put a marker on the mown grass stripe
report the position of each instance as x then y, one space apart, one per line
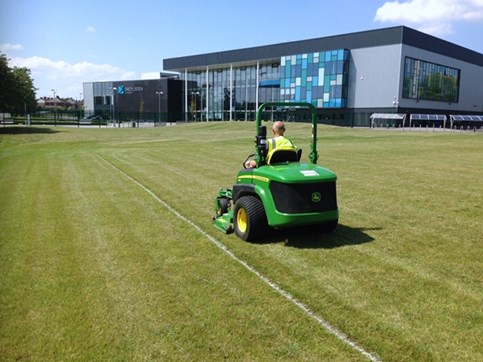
326 325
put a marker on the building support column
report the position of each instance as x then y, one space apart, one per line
256 86
186 109
207 92
231 92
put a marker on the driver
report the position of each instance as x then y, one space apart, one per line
279 140
276 142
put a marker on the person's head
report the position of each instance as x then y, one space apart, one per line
278 128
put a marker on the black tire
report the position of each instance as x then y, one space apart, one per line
329 227
222 205
249 219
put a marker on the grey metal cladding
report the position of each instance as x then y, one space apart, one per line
432 44
364 39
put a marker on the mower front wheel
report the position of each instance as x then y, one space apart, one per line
222 205
249 219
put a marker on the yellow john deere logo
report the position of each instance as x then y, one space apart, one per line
316 197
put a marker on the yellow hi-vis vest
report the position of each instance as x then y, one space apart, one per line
280 142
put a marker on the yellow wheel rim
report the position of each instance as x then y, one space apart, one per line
241 220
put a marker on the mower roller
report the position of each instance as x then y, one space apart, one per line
280 191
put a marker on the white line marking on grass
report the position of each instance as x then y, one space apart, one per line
330 328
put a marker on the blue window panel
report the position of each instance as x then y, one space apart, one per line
297 94
309 96
340 67
327 56
310 58
340 54
318 92
299 56
310 69
337 89
327 83
315 80
338 102
314 69
304 63
269 83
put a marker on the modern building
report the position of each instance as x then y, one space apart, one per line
144 100
347 77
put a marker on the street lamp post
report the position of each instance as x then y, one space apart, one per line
114 109
55 106
79 108
159 93
395 104
196 103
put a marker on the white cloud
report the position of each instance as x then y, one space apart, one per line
67 77
7 47
91 29
431 16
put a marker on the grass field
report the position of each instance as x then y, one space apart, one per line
94 267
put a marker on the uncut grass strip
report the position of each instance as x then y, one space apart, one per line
299 304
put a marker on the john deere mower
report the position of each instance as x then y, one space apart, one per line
279 191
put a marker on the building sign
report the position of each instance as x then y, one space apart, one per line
128 90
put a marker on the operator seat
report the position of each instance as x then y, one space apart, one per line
280 155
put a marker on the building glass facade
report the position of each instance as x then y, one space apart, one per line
429 81
320 78
103 95
214 93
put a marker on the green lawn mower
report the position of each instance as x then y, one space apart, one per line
280 191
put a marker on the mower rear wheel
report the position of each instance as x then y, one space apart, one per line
249 219
329 227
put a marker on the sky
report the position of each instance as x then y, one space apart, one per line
66 43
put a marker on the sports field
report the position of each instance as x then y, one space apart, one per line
108 252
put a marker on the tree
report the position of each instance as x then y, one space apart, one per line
6 84
17 91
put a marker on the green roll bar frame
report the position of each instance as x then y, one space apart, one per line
260 155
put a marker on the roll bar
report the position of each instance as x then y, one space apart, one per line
262 131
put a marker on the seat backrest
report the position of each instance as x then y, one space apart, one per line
279 155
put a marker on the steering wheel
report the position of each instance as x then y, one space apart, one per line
246 159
